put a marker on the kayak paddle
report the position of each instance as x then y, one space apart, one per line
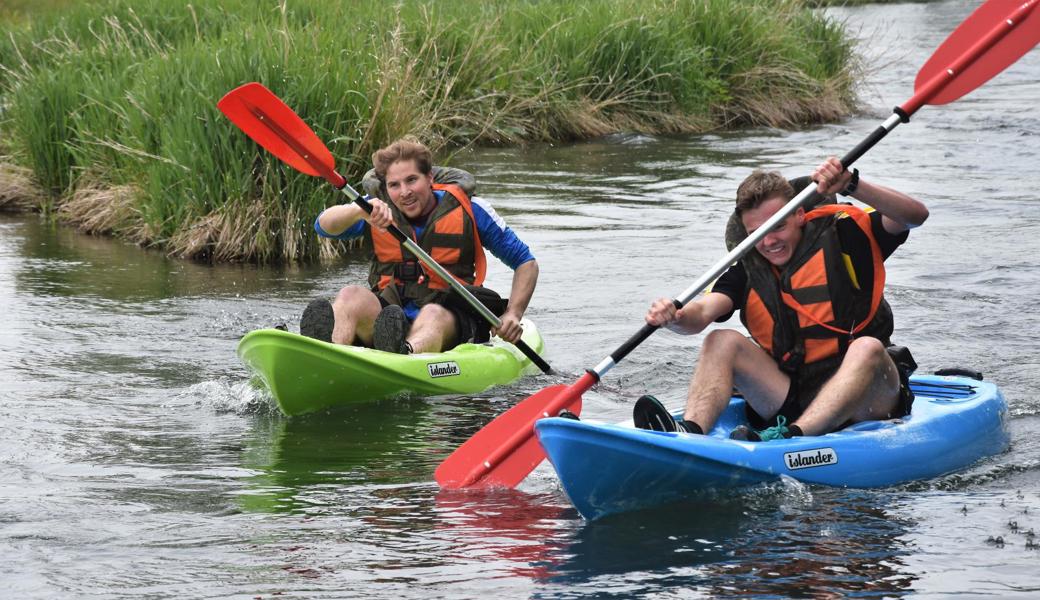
997 34
272 124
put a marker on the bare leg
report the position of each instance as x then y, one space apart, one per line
356 308
728 356
865 387
434 329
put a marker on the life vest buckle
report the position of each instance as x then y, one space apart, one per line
409 271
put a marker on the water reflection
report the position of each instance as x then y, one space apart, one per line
307 462
839 546
370 446
521 534
781 540
775 541
59 261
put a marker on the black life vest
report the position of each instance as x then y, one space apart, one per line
806 314
450 238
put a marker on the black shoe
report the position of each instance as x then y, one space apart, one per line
390 329
566 414
318 320
780 431
744 434
649 413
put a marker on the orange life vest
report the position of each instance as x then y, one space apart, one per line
806 314
450 238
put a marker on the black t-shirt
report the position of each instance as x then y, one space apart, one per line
733 282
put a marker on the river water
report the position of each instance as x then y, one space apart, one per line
136 461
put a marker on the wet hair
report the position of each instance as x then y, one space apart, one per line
761 186
402 149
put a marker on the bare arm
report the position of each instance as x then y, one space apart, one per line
899 212
337 219
692 318
525 277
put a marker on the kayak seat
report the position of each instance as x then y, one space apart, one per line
960 372
873 425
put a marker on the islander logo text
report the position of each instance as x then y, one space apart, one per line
819 457
443 369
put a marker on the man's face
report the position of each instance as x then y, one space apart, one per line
778 245
410 190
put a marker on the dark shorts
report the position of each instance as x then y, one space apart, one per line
801 394
469 326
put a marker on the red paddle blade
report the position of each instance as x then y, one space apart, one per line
273 125
506 449
997 34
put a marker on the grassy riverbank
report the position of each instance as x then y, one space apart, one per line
109 107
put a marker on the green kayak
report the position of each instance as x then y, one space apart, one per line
307 375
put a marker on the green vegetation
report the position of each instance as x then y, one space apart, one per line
822 3
110 107
15 11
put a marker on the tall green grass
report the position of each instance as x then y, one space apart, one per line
121 95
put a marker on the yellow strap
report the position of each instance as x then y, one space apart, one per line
852 271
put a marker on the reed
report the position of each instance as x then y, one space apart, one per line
18 192
122 95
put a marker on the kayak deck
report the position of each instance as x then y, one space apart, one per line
307 375
607 468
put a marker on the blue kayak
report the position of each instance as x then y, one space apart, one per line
607 468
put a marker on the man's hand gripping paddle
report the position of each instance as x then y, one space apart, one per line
273 125
997 34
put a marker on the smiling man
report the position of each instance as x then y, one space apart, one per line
810 294
406 309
